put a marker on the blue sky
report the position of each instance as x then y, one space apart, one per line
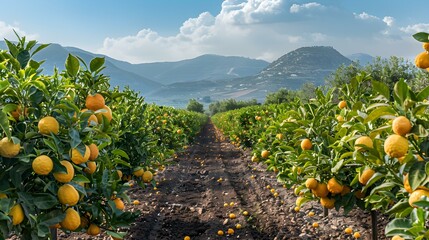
169 30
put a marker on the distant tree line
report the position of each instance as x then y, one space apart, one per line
229 104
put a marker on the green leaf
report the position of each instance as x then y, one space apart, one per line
33 64
422 203
120 152
12 48
75 138
381 88
23 58
81 178
72 65
399 207
30 45
398 226
423 94
380 112
44 200
421 37
96 64
417 175
4 124
39 48
401 91
51 144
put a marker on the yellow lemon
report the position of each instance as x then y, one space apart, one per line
8 149
42 165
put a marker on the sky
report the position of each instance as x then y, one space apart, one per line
141 31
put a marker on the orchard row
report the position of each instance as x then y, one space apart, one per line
71 146
363 145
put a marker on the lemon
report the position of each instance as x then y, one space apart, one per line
306 144
77 157
48 125
8 149
93 230
342 104
17 214
65 177
401 125
328 203
147 176
119 203
422 60
42 165
334 187
71 221
94 102
311 183
68 195
416 195
366 175
396 146
364 140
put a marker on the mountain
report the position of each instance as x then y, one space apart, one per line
362 58
204 67
55 55
303 65
148 77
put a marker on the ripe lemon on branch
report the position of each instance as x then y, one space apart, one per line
68 195
306 144
396 146
42 165
71 221
401 125
77 157
48 125
17 214
311 183
8 149
65 177
334 187
416 195
94 102
366 175
364 140
422 60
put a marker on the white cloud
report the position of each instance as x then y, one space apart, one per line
6 31
295 8
389 21
420 27
266 29
365 16
251 11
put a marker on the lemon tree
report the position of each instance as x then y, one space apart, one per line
67 142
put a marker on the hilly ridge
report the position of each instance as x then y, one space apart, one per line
291 71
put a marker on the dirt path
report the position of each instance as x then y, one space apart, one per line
190 198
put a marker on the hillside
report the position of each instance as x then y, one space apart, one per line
205 67
55 56
362 58
306 64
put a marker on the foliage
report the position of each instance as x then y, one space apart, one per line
195 106
281 96
229 104
373 98
136 137
388 71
